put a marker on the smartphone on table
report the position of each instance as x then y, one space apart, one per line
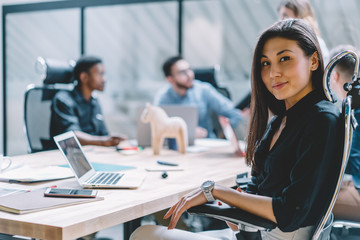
64 192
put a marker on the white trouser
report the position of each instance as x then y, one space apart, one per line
157 232
277 234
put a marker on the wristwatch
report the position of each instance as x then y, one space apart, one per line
207 187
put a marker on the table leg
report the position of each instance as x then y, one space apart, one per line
4 236
129 227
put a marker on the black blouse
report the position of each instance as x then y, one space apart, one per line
300 171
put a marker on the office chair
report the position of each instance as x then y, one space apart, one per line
209 75
246 220
342 226
57 75
244 102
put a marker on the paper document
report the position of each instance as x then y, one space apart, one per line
197 149
8 191
34 201
212 142
30 174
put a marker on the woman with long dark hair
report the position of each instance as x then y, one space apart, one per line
293 142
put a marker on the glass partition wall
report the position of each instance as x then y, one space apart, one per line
219 33
52 34
135 37
133 40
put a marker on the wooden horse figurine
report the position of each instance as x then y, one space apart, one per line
163 126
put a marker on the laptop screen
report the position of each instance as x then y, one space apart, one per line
75 156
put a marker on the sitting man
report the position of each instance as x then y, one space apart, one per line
347 205
183 89
78 110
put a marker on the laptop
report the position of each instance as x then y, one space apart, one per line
188 113
229 133
85 173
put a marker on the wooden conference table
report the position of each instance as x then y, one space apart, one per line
120 205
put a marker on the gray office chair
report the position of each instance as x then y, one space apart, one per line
247 220
57 75
341 226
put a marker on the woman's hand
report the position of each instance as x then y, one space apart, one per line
233 226
194 198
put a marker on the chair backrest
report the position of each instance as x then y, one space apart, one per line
322 230
37 103
54 71
207 75
244 102
37 114
347 107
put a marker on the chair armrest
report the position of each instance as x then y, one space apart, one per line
243 182
234 215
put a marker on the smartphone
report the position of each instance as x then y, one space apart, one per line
63 192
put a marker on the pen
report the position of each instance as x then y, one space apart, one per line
167 163
43 188
128 148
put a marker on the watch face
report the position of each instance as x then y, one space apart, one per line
207 184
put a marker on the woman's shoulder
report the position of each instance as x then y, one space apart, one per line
325 110
325 106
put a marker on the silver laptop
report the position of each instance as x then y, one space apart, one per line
188 113
84 172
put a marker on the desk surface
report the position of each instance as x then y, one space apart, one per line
120 205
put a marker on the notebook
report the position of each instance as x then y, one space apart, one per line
188 113
85 173
231 136
29 174
34 201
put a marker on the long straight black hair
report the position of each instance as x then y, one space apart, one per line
261 99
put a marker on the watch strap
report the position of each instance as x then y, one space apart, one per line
207 192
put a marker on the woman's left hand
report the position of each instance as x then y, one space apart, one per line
191 199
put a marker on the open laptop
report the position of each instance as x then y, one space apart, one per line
229 133
188 113
85 173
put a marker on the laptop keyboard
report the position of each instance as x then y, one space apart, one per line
106 178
